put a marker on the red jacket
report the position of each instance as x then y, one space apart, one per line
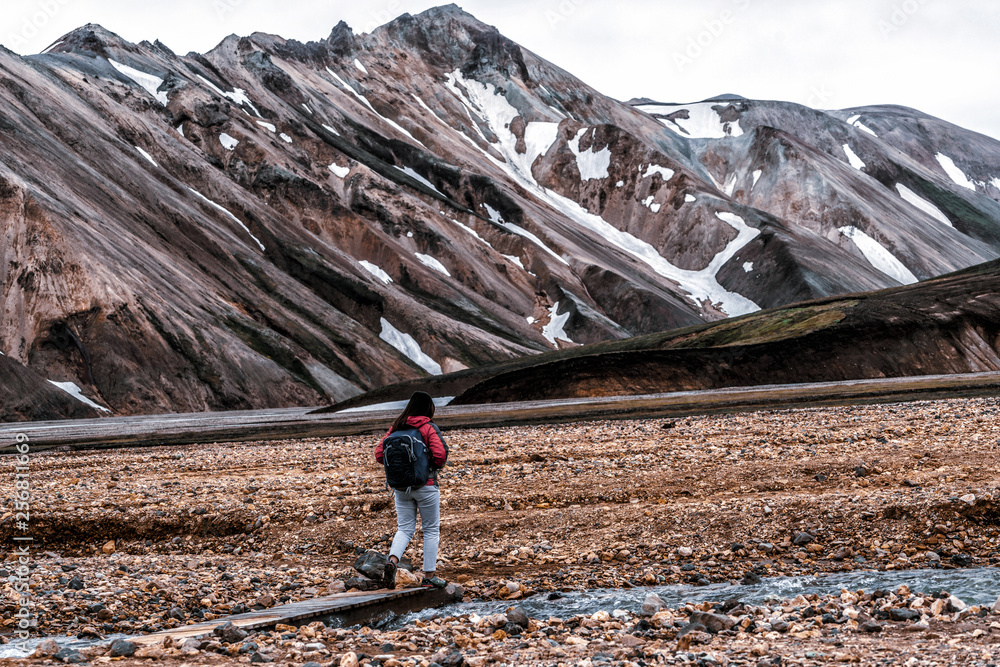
432 438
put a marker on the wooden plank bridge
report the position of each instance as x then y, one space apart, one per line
344 608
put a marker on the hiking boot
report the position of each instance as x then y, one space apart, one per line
389 575
436 582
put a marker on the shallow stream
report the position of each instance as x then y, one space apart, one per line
979 586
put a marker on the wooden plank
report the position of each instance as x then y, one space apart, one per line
346 605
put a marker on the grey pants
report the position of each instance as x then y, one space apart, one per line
426 500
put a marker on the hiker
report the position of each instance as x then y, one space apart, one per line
406 475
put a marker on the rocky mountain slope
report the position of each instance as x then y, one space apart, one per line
275 223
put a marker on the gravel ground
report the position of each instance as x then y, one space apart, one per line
137 540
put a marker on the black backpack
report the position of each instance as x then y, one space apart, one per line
406 459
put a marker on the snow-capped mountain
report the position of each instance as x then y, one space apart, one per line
276 223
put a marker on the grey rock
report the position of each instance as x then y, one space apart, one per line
688 628
371 564
518 616
904 614
652 604
229 633
122 648
714 623
261 657
961 560
803 539
70 656
46 648
870 627
451 659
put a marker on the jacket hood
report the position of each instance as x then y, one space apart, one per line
417 422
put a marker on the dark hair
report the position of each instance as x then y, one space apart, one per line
421 405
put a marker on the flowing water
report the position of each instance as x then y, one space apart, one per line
979 586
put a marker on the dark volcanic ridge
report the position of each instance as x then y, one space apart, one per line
275 223
942 326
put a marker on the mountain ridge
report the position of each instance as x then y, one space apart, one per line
275 223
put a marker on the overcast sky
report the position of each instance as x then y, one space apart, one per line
939 56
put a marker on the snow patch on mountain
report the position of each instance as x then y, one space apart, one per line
228 142
267 126
521 231
284 137
756 177
238 95
376 271
703 121
433 263
229 213
878 256
357 63
747 267
730 187
665 172
147 156
73 390
149 82
494 110
555 329
592 164
338 171
853 158
648 203
921 203
954 173
413 174
701 285
368 104
689 199
406 344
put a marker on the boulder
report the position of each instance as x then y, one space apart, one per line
229 633
904 614
122 648
371 564
49 647
406 579
714 623
652 604
518 616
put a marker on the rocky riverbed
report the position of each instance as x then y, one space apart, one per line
138 540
